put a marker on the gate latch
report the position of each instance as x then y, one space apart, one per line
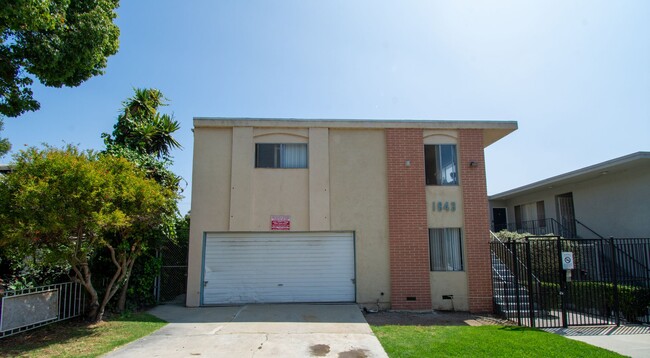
205 283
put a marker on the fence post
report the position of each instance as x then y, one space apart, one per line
529 266
565 320
617 316
516 273
157 280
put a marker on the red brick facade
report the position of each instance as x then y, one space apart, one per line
408 228
477 226
407 220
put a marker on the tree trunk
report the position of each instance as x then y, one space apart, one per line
93 308
122 272
83 276
121 303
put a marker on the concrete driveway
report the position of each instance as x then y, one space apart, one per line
283 330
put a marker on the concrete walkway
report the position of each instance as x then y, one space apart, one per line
629 340
286 330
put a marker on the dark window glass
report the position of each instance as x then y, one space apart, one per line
266 155
440 164
273 155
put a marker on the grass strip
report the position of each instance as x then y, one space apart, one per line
76 338
482 341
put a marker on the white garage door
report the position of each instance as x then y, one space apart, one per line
278 267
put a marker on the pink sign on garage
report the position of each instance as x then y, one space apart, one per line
280 222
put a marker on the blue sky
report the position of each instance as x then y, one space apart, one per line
574 74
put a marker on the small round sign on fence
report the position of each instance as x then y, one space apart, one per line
567 260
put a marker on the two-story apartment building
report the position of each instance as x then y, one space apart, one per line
388 213
605 199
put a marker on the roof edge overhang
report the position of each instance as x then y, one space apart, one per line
492 130
573 176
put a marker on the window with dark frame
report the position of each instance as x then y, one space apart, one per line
530 216
281 155
440 164
445 249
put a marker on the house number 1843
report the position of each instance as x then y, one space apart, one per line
444 206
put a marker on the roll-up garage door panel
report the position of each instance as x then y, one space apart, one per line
244 268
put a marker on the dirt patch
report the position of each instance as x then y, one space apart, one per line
433 318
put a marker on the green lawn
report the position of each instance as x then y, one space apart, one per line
482 341
79 339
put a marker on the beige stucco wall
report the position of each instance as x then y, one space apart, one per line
280 192
614 204
210 198
444 195
277 191
359 202
337 192
449 283
319 179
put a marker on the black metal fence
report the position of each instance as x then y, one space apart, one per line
610 281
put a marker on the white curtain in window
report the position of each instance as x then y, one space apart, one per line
437 243
294 156
529 212
453 248
446 250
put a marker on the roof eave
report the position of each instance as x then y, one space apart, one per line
492 130
576 174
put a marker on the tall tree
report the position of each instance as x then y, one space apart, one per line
59 42
70 204
145 137
140 127
5 146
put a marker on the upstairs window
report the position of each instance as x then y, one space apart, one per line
293 155
440 164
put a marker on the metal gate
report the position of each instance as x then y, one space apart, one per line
609 282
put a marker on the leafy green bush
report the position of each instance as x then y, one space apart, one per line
633 301
549 295
19 270
145 271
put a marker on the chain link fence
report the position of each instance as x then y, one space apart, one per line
171 284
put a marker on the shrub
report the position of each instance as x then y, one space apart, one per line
633 301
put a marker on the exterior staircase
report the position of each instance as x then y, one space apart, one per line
510 297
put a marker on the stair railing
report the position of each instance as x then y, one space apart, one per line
522 274
588 228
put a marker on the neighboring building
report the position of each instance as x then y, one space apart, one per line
381 213
4 168
607 199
